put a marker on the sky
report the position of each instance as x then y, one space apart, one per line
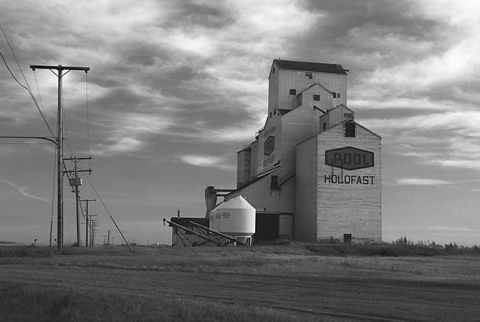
176 88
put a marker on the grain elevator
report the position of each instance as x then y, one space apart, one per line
312 173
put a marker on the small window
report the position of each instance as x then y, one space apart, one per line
336 95
274 182
350 130
270 114
293 92
316 97
324 126
273 72
309 75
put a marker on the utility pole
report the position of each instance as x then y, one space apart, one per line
86 219
93 225
61 71
76 182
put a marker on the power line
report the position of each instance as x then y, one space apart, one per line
15 57
111 217
26 82
86 103
29 92
62 71
38 90
11 73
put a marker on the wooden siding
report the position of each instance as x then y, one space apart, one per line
260 195
297 126
254 160
326 99
349 208
306 199
243 166
291 79
273 90
286 225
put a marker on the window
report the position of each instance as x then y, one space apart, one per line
350 130
273 72
270 114
293 92
309 75
316 97
324 126
274 182
336 95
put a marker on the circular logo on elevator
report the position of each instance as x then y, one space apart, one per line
349 158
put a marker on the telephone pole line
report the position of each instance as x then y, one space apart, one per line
93 225
76 182
86 219
61 71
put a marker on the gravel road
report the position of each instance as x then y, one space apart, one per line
342 298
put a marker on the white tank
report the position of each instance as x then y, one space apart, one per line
237 217
211 223
215 216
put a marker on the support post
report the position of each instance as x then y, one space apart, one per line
76 182
60 69
86 219
76 202
60 165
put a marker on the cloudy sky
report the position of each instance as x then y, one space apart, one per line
176 88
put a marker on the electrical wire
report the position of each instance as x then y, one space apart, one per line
65 127
111 217
38 90
86 103
11 73
42 113
28 90
15 57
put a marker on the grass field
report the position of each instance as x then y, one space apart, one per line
22 301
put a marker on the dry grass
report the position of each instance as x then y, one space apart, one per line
62 305
304 261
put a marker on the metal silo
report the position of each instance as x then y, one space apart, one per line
237 218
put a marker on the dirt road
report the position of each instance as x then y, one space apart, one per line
343 298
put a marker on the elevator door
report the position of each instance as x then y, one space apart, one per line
267 226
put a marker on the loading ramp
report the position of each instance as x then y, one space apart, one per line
204 233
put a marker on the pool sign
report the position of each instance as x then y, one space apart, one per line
269 145
349 158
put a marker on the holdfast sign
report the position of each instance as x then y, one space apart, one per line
269 145
349 158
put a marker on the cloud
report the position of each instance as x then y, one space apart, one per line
200 69
421 182
24 191
453 229
129 132
206 161
446 138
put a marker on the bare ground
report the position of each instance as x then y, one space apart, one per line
363 297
